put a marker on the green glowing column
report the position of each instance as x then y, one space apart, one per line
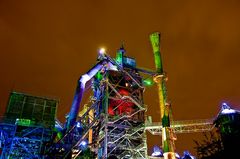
155 41
167 134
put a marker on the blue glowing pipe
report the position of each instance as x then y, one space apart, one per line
80 90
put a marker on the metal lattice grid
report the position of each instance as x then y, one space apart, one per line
27 126
122 133
185 126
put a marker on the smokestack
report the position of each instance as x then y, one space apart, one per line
155 41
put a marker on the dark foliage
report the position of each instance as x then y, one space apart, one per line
210 147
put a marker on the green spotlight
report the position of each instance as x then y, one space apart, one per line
148 82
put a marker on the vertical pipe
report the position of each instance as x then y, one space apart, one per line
79 92
155 41
90 134
160 97
75 105
106 121
167 142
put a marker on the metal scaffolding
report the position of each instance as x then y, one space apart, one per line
185 126
122 131
27 127
112 123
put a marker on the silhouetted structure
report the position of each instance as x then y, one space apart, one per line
224 143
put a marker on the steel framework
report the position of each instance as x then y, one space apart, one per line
185 126
122 130
112 123
113 120
27 127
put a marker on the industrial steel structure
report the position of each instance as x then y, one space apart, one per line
112 124
27 126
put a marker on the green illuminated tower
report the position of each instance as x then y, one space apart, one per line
160 79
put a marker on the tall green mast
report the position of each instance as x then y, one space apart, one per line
167 133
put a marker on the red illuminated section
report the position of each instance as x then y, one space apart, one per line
120 106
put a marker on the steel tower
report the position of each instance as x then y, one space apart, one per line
122 132
168 136
111 124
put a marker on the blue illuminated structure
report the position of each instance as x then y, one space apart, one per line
177 156
80 90
227 110
111 124
157 152
83 145
187 155
27 127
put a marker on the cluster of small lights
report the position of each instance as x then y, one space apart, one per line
157 152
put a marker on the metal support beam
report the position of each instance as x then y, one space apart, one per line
185 126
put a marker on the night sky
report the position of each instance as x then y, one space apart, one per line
46 46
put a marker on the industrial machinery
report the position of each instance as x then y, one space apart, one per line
112 124
27 126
